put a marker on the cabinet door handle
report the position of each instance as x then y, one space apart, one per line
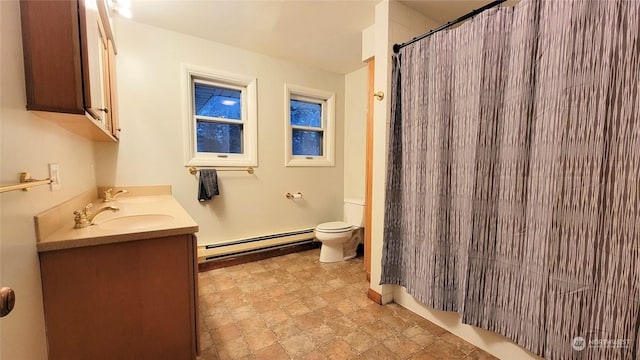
106 110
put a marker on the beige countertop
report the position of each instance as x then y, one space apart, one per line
139 218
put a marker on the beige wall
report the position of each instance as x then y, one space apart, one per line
355 128
29 143
396 23
151 146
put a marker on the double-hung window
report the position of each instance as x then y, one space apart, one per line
222 119
310 117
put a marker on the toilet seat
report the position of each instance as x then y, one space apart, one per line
334 227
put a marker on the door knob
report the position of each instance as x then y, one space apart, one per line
7 300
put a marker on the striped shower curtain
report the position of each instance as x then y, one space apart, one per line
513 184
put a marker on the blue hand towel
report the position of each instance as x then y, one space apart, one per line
208 187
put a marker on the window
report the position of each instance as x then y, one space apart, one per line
309 127
221 123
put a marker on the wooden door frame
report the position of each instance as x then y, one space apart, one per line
369 168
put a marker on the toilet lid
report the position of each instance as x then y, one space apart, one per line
334 226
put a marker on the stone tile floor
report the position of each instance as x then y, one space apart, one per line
294 307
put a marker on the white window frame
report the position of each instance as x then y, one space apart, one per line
247 87
327 101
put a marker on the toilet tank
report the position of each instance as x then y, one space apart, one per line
354 212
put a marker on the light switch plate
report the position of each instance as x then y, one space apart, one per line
54 175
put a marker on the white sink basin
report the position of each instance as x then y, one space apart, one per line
135 222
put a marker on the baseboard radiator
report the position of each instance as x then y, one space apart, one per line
219 251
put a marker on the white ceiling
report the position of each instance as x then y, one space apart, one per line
321 33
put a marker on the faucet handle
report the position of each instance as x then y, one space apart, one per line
108 196
81 217
86 211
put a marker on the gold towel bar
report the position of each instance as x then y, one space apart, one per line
26 182
193 170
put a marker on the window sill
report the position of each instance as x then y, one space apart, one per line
315 162
222 162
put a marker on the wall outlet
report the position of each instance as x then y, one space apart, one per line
54 175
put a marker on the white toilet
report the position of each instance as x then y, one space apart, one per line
340 239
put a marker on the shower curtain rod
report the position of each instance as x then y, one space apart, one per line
397 47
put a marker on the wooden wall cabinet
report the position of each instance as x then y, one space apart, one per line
130 300
69 61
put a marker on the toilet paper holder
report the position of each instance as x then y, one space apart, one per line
291 196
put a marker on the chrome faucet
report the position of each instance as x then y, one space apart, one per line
109 196
84 218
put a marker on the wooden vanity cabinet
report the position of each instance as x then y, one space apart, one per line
69 61
127 300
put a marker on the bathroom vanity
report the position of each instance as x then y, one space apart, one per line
123 288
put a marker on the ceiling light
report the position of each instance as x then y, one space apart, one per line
91 4
123 7
125 12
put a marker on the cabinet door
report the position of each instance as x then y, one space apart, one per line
130 300
66 62
96 62
53 69
113 104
